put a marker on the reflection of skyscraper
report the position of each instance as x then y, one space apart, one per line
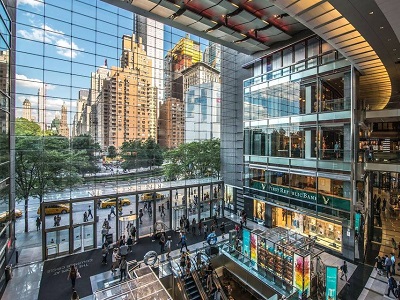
27 110
152 34
212 55
64 130
42 107
171 123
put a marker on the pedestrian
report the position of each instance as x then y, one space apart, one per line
194 226
112 212
140 216
183 242
129 243
188 266
90 212
55 220
123 250
85 218
162 242
384 205
392 285
104 253
145 206
168 244
378 266
388 265
133 233
39 222
216 219
74 296
73 274
222 227
182 262
393 259
122 268
115 260
205 230
162 210
343 268
217 294
200 226
104 233
176 194
150 211
58 220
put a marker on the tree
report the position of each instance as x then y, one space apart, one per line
193 159
138 154
112 152
86 143
42 163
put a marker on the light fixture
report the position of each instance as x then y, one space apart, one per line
394 49
241 40
178 13
381 27
213 28
371 12
234 4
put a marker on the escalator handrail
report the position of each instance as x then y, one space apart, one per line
200 287
218 284
182 288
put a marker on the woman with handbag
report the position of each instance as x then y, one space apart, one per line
73 274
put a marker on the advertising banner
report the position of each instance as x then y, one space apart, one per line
307 275
298 272
357 222
246 243
253 250
259 211
331 283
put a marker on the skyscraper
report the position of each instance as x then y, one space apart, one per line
27 110
42 107
171 123
152 34
64 130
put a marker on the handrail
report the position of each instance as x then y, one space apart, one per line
200 287
217 283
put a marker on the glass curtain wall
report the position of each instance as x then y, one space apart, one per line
110 103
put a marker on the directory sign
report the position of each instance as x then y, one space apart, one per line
331 283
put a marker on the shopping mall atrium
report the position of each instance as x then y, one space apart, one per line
200 149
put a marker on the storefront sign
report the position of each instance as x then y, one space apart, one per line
324 199
246 243
253 250
331 283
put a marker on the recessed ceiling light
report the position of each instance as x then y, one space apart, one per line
389 40
381 27
394 49
371 12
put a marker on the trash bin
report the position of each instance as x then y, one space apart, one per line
8 272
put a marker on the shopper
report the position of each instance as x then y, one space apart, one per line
123 250
162 242
90 212
343 268
194 226
392 285
378 266
74 296
122 268
388 265
168 244
104 253
393 259
112 212
133 233
200 226
104 233
73 274
217 294
222 227
129 243
115 260
183 242
188 266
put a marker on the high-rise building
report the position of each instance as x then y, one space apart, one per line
42 107
81 122
64 129
129 99
96 83
27 110
198 74
171 123
212 55
202 112
184 54
152 34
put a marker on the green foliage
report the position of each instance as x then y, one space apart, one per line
86 146
195 159
43 163
137 154
112 152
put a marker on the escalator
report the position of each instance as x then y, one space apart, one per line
191 288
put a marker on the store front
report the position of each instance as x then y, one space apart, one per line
327 234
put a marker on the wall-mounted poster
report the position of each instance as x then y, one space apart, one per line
331 283
246 243
253 250
259 210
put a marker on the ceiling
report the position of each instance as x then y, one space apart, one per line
360 29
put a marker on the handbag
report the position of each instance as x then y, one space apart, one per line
78 275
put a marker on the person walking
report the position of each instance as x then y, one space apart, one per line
133 233
392 286
393 259
90 212
205 230
217 294
104 233
129 243
188 266
344 270
73 274
85 217
140 216
162 210
183 242
39 222
114 259
168 244
112 212
388 265
162 242
222 227
194 226
74 296
200 226
104 253
122 268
